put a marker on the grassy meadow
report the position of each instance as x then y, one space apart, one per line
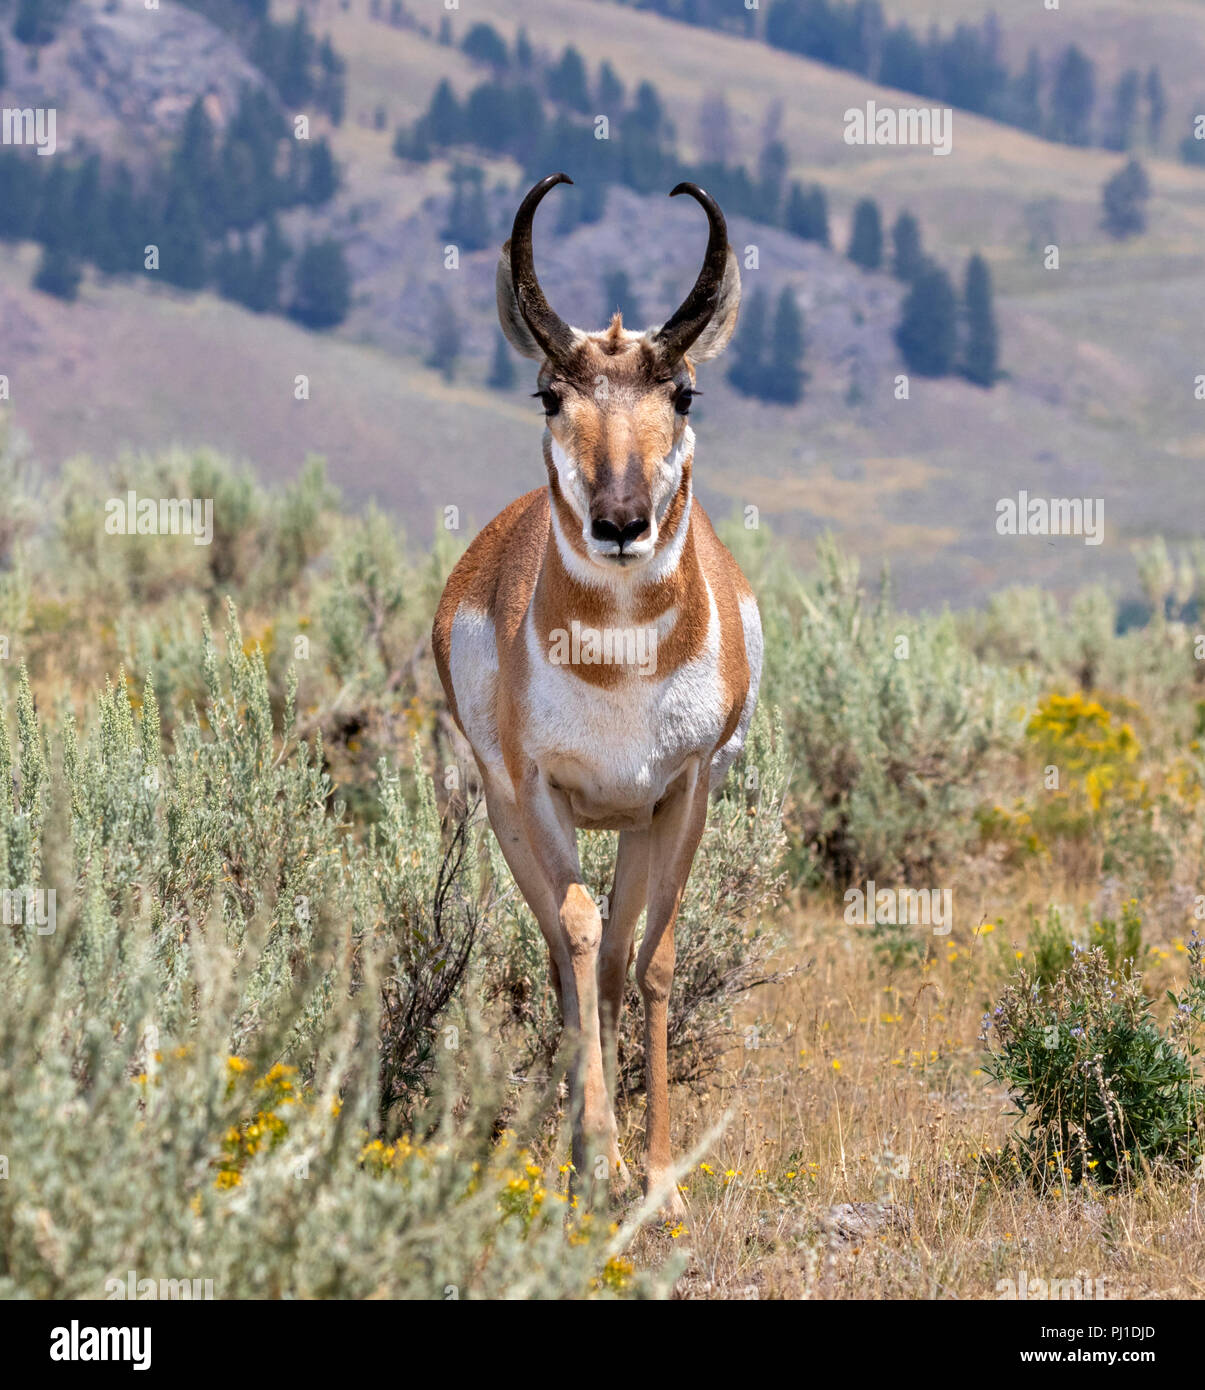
286 988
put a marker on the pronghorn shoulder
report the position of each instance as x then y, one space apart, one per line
495 577
735 605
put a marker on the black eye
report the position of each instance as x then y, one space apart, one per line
549 400
684 398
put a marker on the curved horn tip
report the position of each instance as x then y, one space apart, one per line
686 187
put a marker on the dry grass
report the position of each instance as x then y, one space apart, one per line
850 1164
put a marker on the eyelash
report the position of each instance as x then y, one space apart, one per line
549 401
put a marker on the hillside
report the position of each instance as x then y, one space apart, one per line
1098 400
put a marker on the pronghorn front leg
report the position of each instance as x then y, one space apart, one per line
676 831
629 894
573 937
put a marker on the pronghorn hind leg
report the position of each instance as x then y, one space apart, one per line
629 892
677 828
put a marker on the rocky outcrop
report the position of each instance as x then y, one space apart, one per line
121 77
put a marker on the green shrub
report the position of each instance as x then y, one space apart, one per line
1053 947
1101 1089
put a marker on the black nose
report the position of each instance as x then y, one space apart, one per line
603 529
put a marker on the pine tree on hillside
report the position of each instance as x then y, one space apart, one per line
772 166
322 176
1156 99
981 355
715 129
445 338
819 215
1073 98
1025 102
58 273
502 375
322 286
797 215
1124 200
784 377
927 333
468 224
484 44
234 272
52 225
37 20
908 259
866 240
748 369
183 258
118 249
444 121
611 92
274 254
566 82
1123 121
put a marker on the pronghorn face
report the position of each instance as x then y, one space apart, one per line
617 442
616 402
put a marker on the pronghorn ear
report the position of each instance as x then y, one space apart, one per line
714 338
514 326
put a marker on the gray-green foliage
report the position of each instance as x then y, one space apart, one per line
891 722
210 905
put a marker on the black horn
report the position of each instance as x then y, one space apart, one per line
551 332
678 332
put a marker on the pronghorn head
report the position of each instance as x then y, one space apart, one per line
618 446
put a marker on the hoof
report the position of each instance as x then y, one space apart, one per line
672 1209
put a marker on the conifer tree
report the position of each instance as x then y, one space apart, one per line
927 333
1156 99
322 288
747 371
866 240
784 377
1073 98
502 375
981 354
58 273
1124 200
908 258
445 338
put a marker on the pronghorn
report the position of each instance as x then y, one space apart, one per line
591 733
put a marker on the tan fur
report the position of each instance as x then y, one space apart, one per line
617 425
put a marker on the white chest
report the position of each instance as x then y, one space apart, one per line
616 748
